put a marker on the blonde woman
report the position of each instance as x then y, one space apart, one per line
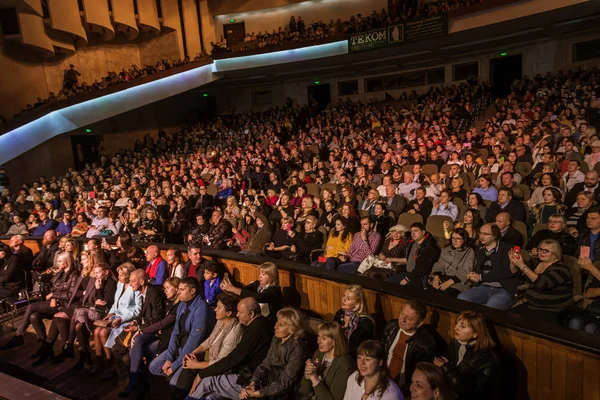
326 374
285 358
353 318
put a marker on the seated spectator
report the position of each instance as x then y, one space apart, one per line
358 326
45 224
64 285
18 227
389 259
371 376
81 226
348 212
220 231
151 228
506 203
457 260
493 282
338 243
198 231
32 222
471 223
303 243
546 181
329 215
408 186
100 223
260 235
444 206
381 220
118 256
486 190
407 343
430 383
326 374
12 278
216 380
157 268
573 176
265 290
508 233
590 184
175 263
284 209
421 254
127 306
476 202
549 288
212 282
394 202
471 363
369 202
457 190
556 231
44 260
540 213
364 243
151 338
576 216
587 318
281 240
193 323
96 301
420 204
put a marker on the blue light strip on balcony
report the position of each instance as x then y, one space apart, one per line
282 57
32 134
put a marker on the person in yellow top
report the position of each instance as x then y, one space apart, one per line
338 243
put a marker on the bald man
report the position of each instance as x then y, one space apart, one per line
221 378
157 268
508 234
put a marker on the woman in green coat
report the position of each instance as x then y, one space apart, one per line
326 374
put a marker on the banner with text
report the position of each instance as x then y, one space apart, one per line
399 33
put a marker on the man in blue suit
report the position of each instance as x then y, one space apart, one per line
193 324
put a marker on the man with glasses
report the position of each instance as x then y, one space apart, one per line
493 281
204 202
555 231
99 223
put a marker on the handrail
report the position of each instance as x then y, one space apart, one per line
537 328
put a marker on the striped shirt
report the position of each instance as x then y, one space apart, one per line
552 290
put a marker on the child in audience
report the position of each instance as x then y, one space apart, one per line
212 283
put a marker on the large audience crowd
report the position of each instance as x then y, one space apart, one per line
505 216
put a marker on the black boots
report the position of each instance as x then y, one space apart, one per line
110 372
67 352
15 341
134 379
98 366
45 353
84 358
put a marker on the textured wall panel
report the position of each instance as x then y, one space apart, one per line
192 30
35 6
208 25
124 14
95 13
171 20
64 17
148 14
33 33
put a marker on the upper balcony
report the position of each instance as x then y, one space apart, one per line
491 25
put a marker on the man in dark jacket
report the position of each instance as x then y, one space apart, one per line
12 277
407 342
217 236
589 238
506 203
497 283
227 376
508 234
24 257
589 184
421 254
45 258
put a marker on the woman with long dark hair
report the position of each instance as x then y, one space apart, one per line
338 243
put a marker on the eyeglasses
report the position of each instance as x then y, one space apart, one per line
543 251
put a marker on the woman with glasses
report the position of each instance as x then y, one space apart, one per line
549 285
151 227
457 260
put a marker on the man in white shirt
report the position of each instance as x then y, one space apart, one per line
99 223
573 175
408 186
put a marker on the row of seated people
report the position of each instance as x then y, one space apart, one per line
241 343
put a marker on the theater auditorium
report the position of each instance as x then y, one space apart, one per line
300 199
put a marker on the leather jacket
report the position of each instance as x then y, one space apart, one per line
477 376
420 347
64 284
